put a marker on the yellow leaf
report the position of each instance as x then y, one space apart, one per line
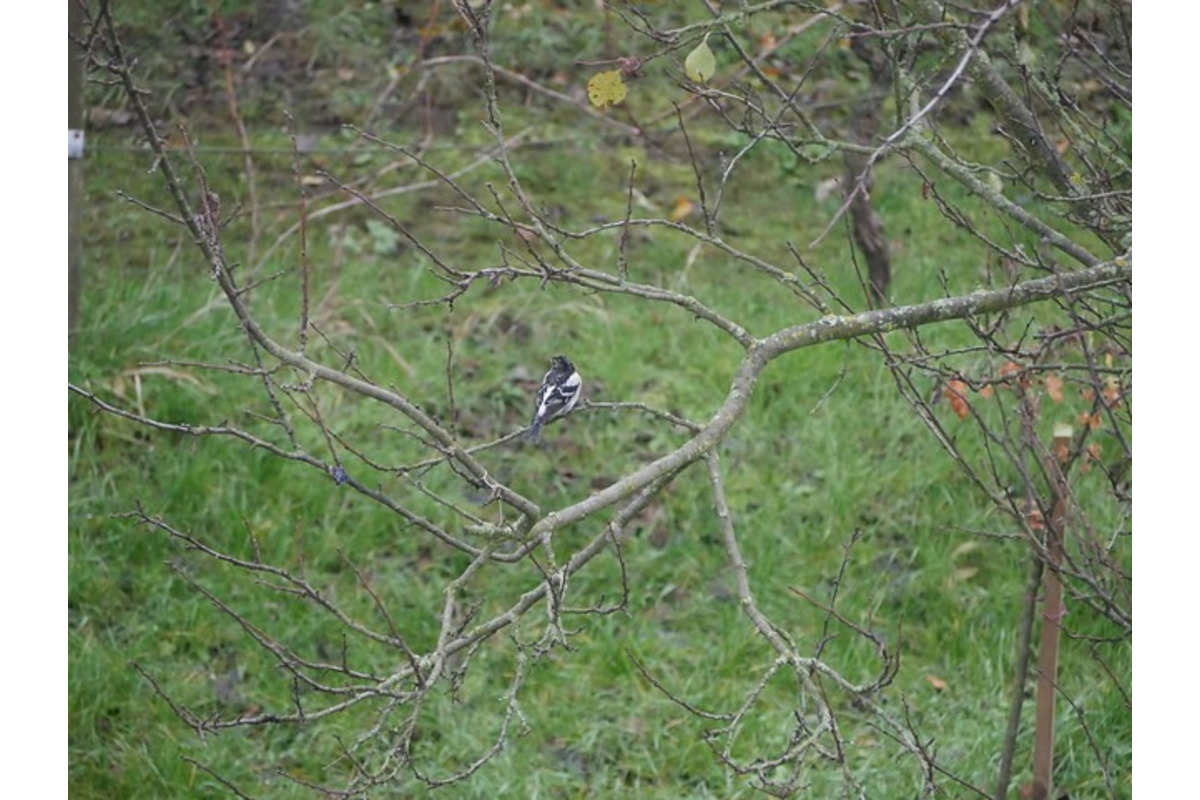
700 65
606 88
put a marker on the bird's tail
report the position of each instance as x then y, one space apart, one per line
534 434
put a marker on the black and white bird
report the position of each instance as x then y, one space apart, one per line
557 396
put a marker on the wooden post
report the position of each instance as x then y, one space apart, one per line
1052 614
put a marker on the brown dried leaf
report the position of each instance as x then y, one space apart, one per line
956 396
1054 387
682 208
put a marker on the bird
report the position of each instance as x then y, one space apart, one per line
558 394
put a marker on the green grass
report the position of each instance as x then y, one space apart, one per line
800 482
828 451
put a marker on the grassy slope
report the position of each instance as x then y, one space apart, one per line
803 474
